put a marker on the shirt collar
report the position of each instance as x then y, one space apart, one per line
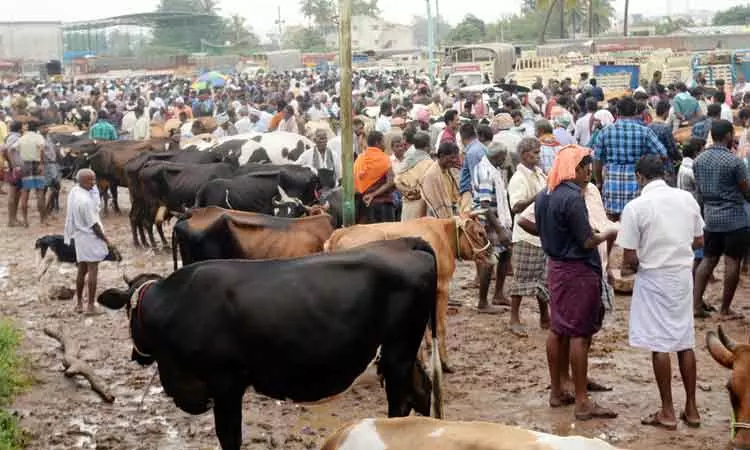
718 147
656 184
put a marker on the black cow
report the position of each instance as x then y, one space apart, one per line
142 213
53 246
301 329
279 190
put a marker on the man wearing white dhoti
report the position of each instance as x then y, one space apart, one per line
658 232
83 226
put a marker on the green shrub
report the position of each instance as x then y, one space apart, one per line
13 379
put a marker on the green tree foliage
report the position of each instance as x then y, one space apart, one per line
306 39
365 8
185 35
419 25
736 15
239 33
471 30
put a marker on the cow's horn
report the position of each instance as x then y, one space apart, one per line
284 196
727 341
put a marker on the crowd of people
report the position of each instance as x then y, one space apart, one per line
558 174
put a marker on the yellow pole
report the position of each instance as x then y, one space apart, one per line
347 131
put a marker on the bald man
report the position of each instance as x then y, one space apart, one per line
84 227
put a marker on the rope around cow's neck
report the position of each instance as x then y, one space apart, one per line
136 300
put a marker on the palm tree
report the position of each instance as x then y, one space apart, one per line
237 27
550 6
209 6
599 16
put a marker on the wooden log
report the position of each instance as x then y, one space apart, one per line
74 366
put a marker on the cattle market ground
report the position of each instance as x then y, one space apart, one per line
499 378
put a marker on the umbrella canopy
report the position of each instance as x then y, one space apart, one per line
214 79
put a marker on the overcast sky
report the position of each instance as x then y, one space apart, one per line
261 14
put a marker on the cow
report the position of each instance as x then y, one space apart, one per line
735 357
281 190
170 186
300 329
141 218
451 239
218 233
52 247
421 433
279 147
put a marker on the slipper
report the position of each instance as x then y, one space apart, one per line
566 399
593 386
597 412
655 421
688 422
79 310
519 331
488 310
94 312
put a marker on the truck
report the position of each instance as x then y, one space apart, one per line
283 60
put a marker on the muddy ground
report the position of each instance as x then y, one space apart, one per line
499 378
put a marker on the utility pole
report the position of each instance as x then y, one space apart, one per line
280 24
430 45
347 130
437 24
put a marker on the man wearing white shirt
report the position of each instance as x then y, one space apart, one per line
322 157
726 111
317 111
585 124
244 124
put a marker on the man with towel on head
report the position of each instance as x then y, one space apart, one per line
83 225
574 277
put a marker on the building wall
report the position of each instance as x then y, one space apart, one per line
31 41
373 33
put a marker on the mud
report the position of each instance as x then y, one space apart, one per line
499 378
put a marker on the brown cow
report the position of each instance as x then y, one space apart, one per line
218 233
422 433
735 357
455 238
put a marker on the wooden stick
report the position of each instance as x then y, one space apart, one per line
74 366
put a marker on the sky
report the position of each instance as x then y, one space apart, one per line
261 14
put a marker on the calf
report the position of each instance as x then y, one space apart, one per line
301 329
217 233
456 238
419 433
53 246
736 357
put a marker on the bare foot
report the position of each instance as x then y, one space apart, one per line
657 420
591 410
692 420
519 330
79 308
488 309
564 399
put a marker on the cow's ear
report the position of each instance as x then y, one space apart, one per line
113 298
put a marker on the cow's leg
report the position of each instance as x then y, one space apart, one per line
160 230
442 322
134 225
103 186
397 385
115 202
150 230
228 415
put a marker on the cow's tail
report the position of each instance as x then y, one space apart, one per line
174 245
435 362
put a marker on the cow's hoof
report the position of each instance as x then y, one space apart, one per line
447 368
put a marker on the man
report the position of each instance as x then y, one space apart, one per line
529 265
83 226
720 99
30 146
617 148
51 173
203 106
452 123
317 111
142 128
585 125
658 233
575 278
373 180
596 91
474 152
549 144
15 169
685 106
490 195
244 124
562 135
102 129
436 107
322 157
439 185
663 131
703 128
410 176
722 188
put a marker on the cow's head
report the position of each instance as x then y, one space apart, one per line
130 298
736 357
286 206
472 240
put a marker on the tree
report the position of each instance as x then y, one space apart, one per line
471 30
318 12
549 6
239 34
306 39
365 8
669 26
419 25
186 34
737 15
601 13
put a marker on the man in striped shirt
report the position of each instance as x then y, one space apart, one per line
489 194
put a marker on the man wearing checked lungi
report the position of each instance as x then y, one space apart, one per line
616 150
